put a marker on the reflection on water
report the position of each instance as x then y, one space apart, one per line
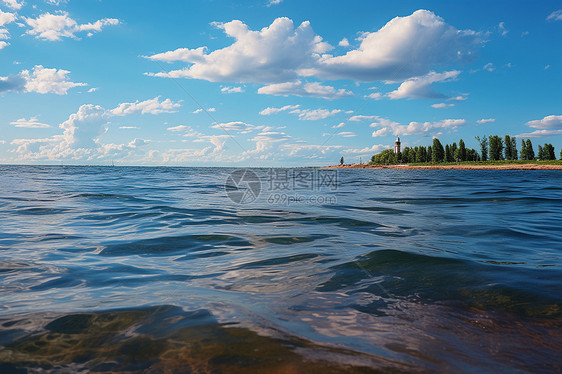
155 269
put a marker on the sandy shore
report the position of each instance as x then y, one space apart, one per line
452 167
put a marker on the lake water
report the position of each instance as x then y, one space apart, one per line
156 269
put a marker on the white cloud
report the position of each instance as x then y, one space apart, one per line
405 47
420 87
339 126
266 141
138 143
344 43
547 123
6 18
179 128
361 118
128 127
388 127
458 98
375 96
312 89
555 16
93 89
268 111
304 150
80 139
197 111
547 67
270 55
366 151
502 29
151 106
273 2
13 4
489 66
315 114
381 132
540 133
40 80
236 126
442 105
3 44
31 123
60 25
232 90
485 120
346 134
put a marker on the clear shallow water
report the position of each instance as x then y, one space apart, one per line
155 269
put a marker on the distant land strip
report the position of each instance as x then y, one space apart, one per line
453 167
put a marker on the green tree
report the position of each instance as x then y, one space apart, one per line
507 141
386 157
483 147
496 147
421 154
523 150
429 154
406 154
541 153
437 151
530 151
448 155
513 148
462 150
548 152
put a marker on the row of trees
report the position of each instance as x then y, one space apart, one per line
493 147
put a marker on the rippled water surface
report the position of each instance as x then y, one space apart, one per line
125 269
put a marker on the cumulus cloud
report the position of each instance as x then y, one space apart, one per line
3 45
344 43
80 139
366 151
375 96
268 111
40 80
6 18
60 25
232 90
197 111
151 106
388 127
358 118
236 126
420 87
442 105
485 120
552 122
315 114
13 4
270 55
31 123
309 89
405 47
555 16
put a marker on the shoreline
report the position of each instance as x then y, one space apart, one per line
451 167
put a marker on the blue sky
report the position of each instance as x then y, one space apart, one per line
260 83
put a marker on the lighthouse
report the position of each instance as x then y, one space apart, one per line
397 145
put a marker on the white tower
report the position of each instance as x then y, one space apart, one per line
397 145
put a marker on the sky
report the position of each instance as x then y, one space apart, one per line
271 82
